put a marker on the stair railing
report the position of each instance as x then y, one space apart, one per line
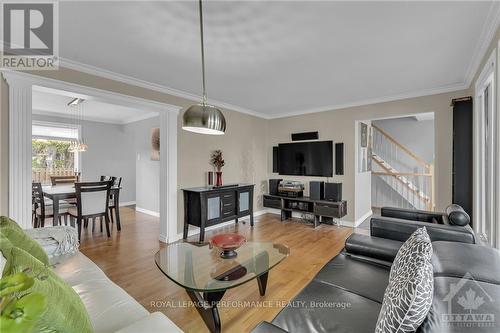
403 178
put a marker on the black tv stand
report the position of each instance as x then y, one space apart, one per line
318 208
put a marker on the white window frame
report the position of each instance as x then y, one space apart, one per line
77 158
484 183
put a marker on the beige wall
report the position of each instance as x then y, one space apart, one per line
339 126
243 145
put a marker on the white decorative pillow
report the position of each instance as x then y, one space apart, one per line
408 297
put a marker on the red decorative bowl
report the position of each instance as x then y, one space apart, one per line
228 243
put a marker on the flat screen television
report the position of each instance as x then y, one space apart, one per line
306 158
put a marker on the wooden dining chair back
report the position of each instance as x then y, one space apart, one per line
92 201
42 210
117 181
58 180
38 204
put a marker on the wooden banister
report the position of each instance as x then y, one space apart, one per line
390 173
405 149
398 176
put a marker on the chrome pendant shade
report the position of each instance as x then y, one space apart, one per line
203 118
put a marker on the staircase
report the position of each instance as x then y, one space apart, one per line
400 178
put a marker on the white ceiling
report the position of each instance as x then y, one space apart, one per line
56 105
281 58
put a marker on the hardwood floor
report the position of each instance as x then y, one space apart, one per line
127 259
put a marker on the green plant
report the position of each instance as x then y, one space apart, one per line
20 310
217 160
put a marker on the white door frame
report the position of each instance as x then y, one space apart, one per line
20 117
482 181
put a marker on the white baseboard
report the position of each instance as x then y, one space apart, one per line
196 231
127 203
363 218
147 211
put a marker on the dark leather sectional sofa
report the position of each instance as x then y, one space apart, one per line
346 295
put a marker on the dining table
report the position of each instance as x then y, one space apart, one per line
62 192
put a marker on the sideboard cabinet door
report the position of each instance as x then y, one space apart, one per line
213 208
244 202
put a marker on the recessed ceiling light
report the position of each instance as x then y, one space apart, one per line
76 101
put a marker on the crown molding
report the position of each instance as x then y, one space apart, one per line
389 98
47 113
488 32
104 73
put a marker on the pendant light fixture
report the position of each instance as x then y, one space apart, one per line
203 118
76 107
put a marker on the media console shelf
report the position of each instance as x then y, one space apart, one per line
318 208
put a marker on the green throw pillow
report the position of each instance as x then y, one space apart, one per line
5 252
66 312
13 232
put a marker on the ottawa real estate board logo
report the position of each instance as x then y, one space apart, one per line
469 305
30 35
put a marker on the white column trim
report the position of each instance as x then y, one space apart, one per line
19 150
168 177
20 142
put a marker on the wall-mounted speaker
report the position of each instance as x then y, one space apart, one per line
339 158
317 190
273 186
305 136
276 167
333 191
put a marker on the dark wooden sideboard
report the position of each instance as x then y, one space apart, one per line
210 205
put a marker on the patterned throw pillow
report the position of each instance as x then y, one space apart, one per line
408 297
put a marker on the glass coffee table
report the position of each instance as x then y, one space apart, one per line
206 276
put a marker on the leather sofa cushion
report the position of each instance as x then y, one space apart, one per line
75 269
109 307
360 316
456 259
373 247
411 214
447 292
265 327
398 229
155 322
351 274
457 215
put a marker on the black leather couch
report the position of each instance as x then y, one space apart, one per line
399 224
346 295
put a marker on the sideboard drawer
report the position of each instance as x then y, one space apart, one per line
272 202
228 197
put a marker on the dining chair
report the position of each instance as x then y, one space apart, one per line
58 180
117 182
113 210
92 201
43 207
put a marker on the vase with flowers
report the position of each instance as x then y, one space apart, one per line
217 160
